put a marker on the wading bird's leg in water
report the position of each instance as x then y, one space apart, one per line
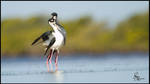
48 60
56 60
51 54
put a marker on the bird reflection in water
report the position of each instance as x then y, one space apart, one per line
58 76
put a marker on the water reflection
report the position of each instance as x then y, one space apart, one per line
59 76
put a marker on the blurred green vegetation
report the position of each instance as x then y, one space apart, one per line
83 35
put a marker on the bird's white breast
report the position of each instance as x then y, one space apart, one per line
59 40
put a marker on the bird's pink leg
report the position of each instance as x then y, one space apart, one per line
56 61
51 54
47 65
48 60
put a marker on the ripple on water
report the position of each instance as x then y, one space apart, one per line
68 71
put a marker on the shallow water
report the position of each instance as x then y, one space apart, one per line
78 68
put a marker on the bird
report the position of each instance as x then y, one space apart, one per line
53 40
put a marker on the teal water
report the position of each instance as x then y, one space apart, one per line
78 68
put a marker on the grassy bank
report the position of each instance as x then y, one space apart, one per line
83 35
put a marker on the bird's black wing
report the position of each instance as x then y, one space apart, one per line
50 44
44 36
36 40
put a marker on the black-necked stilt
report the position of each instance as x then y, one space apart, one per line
53 39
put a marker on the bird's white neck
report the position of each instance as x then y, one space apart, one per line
54 26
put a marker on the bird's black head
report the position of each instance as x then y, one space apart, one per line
54 14
53 17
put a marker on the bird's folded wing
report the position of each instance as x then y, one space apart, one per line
50 44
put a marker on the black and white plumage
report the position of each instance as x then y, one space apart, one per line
53 40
